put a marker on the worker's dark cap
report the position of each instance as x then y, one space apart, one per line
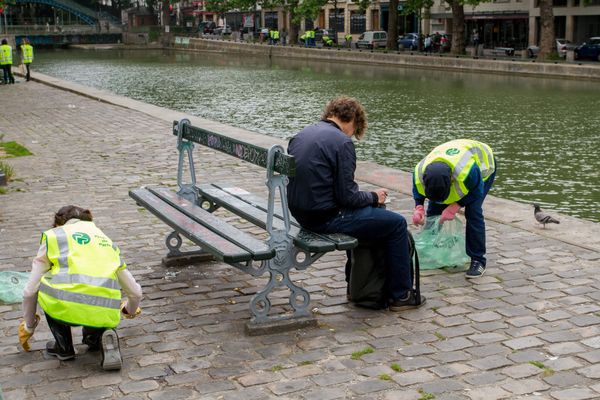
437 179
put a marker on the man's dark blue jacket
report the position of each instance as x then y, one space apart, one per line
324 182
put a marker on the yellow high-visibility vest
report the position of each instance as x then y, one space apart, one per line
27 50
460 155
5 54
81 287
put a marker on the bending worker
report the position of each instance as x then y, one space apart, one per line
324 197
76 278
457 174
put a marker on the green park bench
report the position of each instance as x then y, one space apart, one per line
189 212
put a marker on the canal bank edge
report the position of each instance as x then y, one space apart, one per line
514 66
574 231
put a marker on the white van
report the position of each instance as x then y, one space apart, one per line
372 40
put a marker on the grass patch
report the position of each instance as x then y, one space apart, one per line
547 370
425 395
358 354
439 336
14 149
3 190
396 367
307 362
385 377
8 170
277 368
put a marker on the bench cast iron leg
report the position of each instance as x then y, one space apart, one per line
279 276
176 257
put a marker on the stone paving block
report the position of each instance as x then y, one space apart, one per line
453 344
488 393
521 371
443 385
370 387
567 379
574 394
402 395
214 386
412 377
490 362
258 378
138 386
524 386
333 378
523 343
325 394
104 379
172 394
565 348
563 363
287 387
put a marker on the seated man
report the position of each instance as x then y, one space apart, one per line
323 196
457 174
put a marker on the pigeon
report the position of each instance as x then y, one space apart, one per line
542 217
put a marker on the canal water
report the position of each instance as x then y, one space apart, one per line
545 132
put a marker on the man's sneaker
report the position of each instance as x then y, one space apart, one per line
405 304
53 350
476 270
111 355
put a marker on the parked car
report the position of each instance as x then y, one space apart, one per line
562 45
222 30
409 41
206 27
589 49
372 40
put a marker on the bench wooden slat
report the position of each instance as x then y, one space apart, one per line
253 209
342 241
284 163
259 249
222 249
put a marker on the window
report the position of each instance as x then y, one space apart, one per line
271 20
336 24
358 22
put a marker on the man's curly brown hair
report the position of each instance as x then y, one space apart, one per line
348 109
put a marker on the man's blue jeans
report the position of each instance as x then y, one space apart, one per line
475 229
386 228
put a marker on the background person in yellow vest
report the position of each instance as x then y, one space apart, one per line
6 61
27 56
348 38
457 174
77 277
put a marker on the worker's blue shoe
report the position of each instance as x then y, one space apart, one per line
476 269
111 354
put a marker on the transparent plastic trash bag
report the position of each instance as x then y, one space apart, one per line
12 285
442 245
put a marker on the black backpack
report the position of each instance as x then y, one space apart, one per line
365 274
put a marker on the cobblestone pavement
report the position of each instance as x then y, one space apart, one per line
528 328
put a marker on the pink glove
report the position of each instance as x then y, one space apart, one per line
418 215
449 212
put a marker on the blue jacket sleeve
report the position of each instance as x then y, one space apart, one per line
419 198
474 183
347 194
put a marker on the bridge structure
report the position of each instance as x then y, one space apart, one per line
93 27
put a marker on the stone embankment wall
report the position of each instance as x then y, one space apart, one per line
508 65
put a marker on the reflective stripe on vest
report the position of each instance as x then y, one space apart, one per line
84 274
473 152
5 54
27 50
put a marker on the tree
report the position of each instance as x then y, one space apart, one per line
392 32
547 42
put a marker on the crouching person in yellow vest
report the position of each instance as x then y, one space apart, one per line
76 278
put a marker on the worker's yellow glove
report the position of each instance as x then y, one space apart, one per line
126 314
25 334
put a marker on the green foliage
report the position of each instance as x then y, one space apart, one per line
547 370
8 170
385 377
3 190
14 149
439 336
277 368
358 354
396 367
425 395
306 362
